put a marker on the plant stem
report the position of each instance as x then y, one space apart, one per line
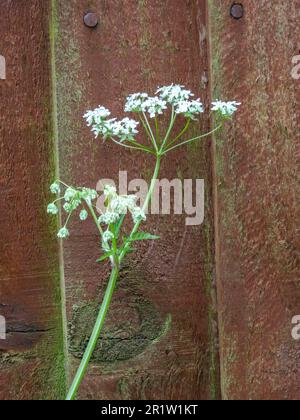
132 147
96 220
181 133
194 139
147 201
172 122
95 335
107 298
150 132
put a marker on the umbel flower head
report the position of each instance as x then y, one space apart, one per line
175 97
72 199
225 109
119 205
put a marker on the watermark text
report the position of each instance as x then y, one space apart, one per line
169 197
2 328
2 68
296 329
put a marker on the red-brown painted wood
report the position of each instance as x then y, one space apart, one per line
31 358
136 46
257 169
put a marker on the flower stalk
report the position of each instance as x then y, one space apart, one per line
115 246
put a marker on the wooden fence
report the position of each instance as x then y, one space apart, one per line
231 285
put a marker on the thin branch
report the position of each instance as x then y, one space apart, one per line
181 134
130 147
150 132
194 139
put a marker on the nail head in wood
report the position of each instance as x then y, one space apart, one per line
91 20
237 11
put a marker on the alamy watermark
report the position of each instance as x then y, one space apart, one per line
2 328
2 68
296 328
295 73
176 196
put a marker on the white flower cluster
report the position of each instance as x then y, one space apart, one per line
226 109
73 199
55 188
136 102
124 130
118 205
175 95
189 108
97 116
52 209
63 233
141 102
155 106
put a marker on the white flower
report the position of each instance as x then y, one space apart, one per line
63 233
70 194
174 94
189 108
125 129
103 128
72 205
110 191
135 102
226 109
89 195
131 201
138 215
154 106
119 205
96 116
83 215
68 207
55 188
109 218
52 209
107 236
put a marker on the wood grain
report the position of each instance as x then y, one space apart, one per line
257 205
32 356
138 45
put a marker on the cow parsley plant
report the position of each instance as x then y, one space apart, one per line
147 113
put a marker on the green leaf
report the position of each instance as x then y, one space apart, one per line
105 256
119 225
142 236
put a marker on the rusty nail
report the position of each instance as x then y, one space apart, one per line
91 20
237 10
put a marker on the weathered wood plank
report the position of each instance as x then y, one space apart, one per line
257 169
138 45
31 358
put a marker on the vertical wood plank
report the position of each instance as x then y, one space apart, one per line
138 45
257 167
31 358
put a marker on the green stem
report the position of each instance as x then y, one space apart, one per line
194 139
180 134
145 206
157 130
172 122
95 335
149 131
108 296
95 219
142 147
131 147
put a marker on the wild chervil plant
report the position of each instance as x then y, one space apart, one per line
174 102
